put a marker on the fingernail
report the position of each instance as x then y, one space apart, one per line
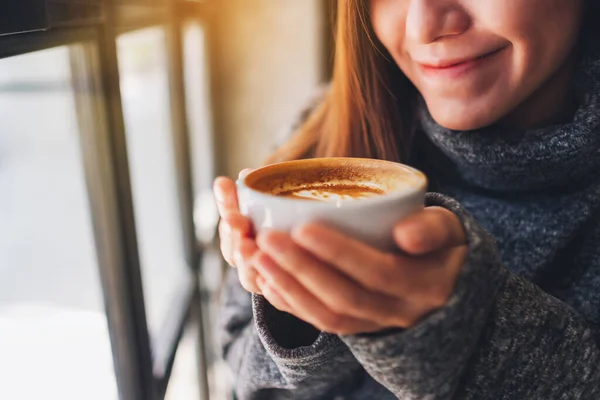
260 281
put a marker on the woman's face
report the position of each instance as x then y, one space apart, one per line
478 61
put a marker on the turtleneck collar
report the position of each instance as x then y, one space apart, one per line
496 159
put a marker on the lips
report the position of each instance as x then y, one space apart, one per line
449 62
458 68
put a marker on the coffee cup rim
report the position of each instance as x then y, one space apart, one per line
384 198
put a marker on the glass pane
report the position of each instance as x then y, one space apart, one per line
184 377
146 106
54 340
197 85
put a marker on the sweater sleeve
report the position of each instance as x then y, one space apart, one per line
498 337
274 355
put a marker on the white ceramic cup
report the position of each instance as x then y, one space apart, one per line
370 220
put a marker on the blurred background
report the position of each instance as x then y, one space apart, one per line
115 117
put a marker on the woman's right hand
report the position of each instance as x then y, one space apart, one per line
236 233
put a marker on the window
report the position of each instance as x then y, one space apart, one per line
146 106
197 84
51 310
97 243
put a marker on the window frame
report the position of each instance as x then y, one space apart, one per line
142 368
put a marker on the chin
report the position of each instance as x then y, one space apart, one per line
460 124
462 118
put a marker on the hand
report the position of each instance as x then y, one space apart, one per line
343 286
236 233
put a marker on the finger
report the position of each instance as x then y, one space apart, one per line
305 305
245 251
244 172
412 280
335 290
248 277
231 233
226 242
239 223
272 295
371 268
225 192
243 255
336 248
429 281
429 230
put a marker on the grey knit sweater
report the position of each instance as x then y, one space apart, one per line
523 321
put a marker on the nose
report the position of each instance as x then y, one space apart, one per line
431 20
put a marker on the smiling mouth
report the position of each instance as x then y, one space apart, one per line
452 64
490 53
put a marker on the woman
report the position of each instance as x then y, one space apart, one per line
505 121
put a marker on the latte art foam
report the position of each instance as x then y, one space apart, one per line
335 181
333 193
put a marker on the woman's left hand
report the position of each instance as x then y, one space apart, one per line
342 286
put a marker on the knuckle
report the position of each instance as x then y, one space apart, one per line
238 222
281 307
321 327
225 231
386 276
243 256
278 306
398 315
238 260
345 331
247 286
246 261
226 255
392 314
357 302
333 323
267 292
346 304
339 308
247 280
406 321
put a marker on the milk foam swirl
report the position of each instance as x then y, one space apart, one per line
332 196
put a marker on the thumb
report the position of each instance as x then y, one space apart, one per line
429 230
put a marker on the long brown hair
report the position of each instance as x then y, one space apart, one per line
368 110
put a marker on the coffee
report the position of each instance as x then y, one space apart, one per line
332 192
362 198
334 179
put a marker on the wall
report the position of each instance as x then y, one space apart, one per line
267 58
